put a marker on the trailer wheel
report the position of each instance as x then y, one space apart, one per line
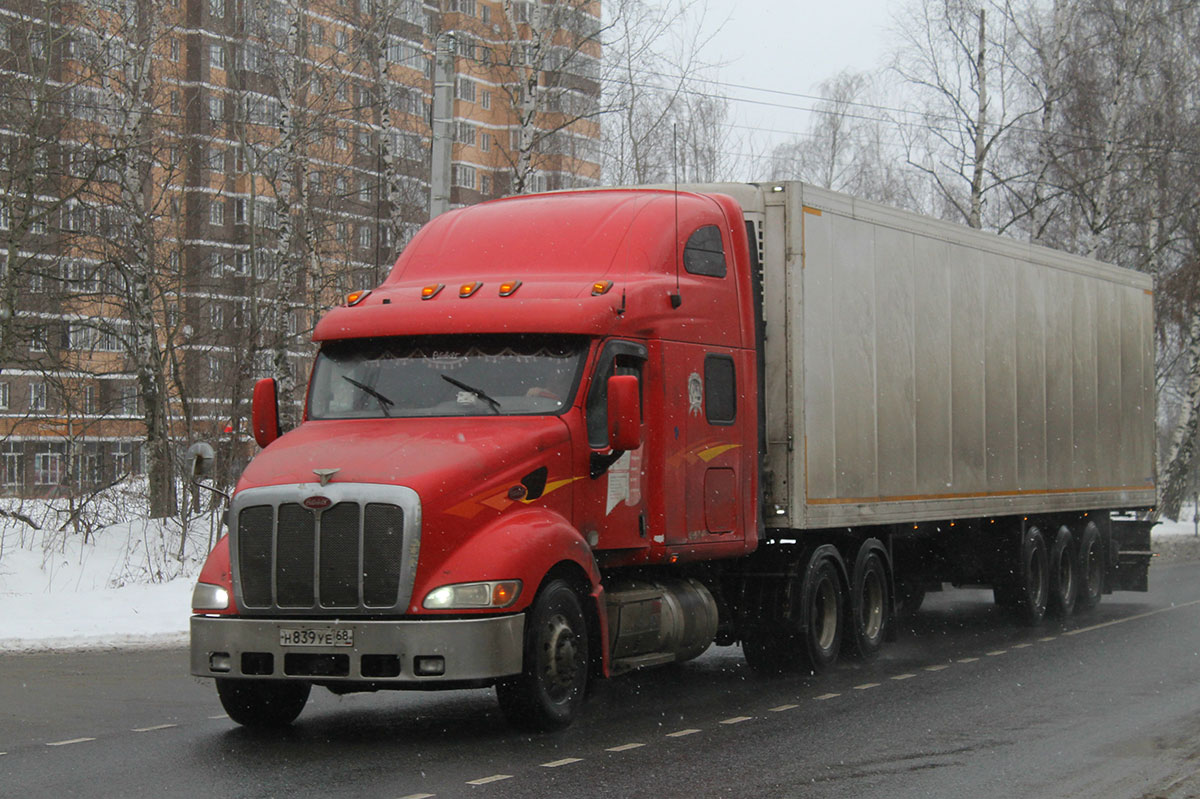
868 607
549 692
263 703
1090 560
1064 583
1026 596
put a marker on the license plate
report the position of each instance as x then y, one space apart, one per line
316 636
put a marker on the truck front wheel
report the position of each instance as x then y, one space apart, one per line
549 692
263 703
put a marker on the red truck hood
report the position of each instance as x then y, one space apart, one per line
431 456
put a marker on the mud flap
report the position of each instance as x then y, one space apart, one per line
1129 555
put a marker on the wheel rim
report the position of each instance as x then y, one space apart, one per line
560 658
872 600
825 614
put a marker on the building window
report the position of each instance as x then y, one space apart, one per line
485 184
123 459
214 369
464 176
90 403
216 109
216 9
464 133
486 101
343 232
239 211
216 316
316 34
485 141
4 396
128 402
216 56
466 90
37 396
216 212
10 469
174 49
364 236
241 262
47 468
364 190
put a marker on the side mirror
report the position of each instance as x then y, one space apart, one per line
264 412
199 458
624 413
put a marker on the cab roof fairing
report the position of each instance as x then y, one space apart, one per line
558 245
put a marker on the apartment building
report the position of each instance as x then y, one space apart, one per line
187 184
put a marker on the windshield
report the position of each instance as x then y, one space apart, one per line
445 376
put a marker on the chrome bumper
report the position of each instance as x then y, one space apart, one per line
470 650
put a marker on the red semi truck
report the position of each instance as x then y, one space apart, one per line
580 433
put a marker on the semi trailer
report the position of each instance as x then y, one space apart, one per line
580 433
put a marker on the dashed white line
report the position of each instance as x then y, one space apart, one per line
623 747
736 720
937 667
566 761
823 697
71 741
419 796
781 708
1047 638
155 728
904 676
682 733
491 779
968 660
1021 646
997 653
866 686
1129 618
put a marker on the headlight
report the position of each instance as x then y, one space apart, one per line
499 594
207 596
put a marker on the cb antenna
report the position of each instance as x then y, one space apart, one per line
676 298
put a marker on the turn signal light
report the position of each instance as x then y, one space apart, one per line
467 289
509 288
601 287
355 297
429 292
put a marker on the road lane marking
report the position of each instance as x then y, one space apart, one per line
419 796
1047 638
997 653
937 667
735 720
71 741
624 747
781 708
823 697
968 660
1021 646
866 685
566 761
1129 618
222 716
904 676
487 780
682 733
154 728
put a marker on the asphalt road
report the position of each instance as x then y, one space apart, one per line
966 703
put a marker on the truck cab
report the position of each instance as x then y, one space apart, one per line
520 457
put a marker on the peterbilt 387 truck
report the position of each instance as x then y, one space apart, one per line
580 433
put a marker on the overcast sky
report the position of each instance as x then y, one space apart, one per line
793 45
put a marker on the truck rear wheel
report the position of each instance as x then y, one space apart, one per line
549 692
263 703
1090 559
1025 594
868 607
1064 571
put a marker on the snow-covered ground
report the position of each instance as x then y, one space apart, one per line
127 585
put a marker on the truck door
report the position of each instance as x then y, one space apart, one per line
613 499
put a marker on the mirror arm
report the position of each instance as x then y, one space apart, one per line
600 461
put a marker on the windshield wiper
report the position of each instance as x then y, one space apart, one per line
384 402
483 395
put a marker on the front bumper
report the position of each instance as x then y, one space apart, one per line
384 652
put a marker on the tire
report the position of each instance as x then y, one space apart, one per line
868 608
263 704
808 636
1064 571
1090 559
1026 593
549 692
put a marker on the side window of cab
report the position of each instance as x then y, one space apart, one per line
704 253
617 358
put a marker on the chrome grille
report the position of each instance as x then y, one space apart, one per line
354 554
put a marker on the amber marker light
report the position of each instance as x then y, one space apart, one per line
429 292
509 288
355 297
467 289
601 287
505 593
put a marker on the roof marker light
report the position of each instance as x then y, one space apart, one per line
355 297
467 289
601 287
429 292
509 288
